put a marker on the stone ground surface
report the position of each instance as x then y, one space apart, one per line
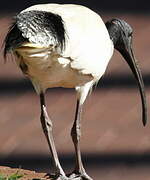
114 143
26 174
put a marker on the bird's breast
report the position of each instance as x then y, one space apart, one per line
47 69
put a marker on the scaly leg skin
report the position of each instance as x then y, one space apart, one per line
79 171
47 128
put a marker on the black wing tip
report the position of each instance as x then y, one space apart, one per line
6 44
5 51
12 39
5 56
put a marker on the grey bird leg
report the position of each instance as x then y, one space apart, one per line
47 129
76 133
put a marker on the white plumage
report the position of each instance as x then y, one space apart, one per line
86 53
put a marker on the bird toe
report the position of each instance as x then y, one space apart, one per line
79 176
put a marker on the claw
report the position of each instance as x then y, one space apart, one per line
79 176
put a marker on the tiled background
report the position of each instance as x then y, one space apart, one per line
114 143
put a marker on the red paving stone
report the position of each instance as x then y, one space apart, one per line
111 123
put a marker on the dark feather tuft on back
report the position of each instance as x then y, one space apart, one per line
42 27
38 27
13 38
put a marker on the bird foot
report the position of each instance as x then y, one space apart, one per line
56 177
79 176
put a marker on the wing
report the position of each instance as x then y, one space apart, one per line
42 27
38 27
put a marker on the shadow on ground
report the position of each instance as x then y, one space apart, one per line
40 162
115 82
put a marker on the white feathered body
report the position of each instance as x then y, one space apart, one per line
87 51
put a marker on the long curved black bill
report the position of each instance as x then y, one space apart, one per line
130 59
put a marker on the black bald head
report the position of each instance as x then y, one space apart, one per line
120 33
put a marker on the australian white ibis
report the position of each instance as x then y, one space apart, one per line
68 46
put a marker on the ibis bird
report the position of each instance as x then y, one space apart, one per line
66 45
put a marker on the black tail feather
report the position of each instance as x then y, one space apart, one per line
13 39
